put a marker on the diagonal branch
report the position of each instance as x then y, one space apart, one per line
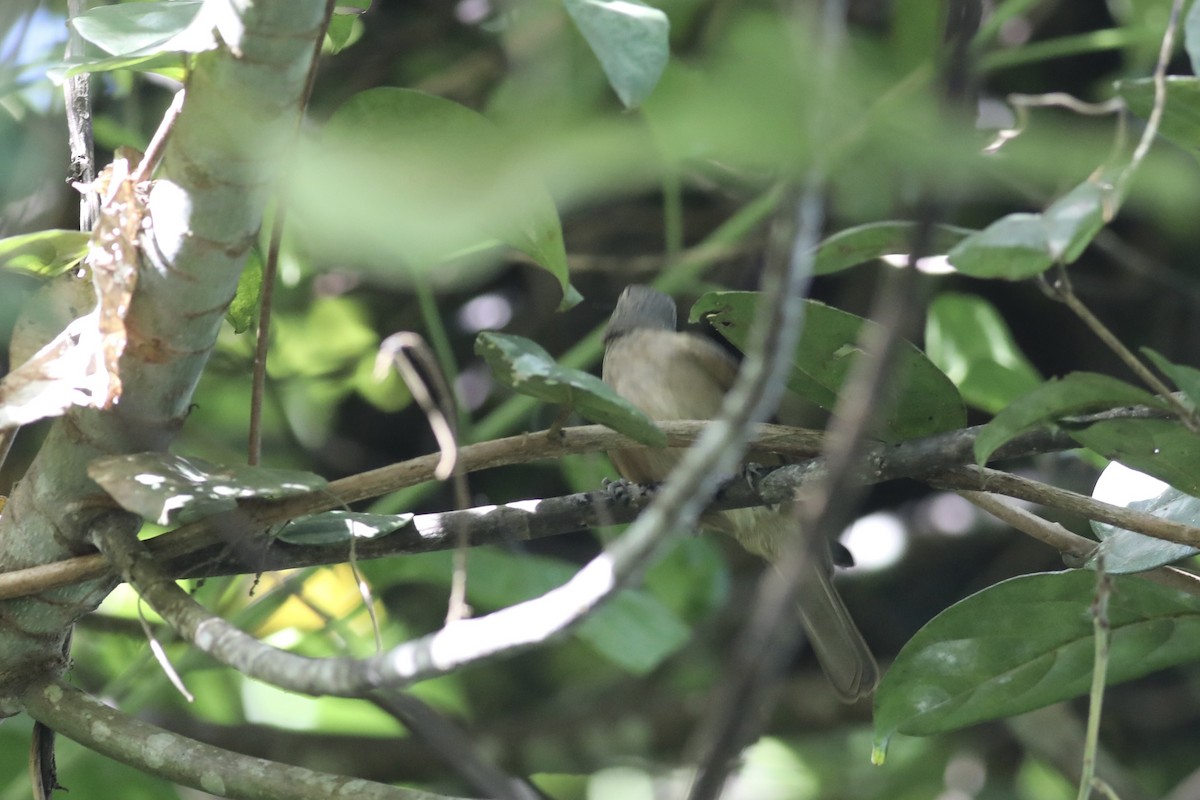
185 761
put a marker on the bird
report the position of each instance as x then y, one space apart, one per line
673 375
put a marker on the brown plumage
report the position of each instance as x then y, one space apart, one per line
672 375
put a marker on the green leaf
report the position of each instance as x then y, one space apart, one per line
1127 551
1181 114
1163 448
1076 393
415 182
167 488
1025 643
1191 36
244 308
968 340
1074 219
45 253
633 630
1185 378
527 368
630 39
1021 246
1014 247
335 527
864 243
924 401
128 28
144 35
342 24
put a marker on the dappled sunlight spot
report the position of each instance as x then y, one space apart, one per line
621 783
473 385
150 479
773 771
472 12
487 312
967 773
877 541
930 265
950 514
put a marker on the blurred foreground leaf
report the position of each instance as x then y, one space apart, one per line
403 182
631 41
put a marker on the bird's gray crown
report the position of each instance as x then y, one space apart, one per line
638 308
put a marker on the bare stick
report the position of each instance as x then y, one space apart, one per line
1063 291
442 413
258 378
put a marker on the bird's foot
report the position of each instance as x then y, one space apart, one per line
619 490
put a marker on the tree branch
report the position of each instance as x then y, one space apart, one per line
176 758
238 541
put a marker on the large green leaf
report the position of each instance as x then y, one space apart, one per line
968 340
924 401
1021 246
1127 551
526 367
45 253
631 41
1076 393
146 35
1013 247
1163 448
1025 643
167 488
1074 219
406 181
863 243
1181 114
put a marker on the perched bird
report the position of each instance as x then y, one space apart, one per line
672 375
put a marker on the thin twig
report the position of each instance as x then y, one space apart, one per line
77 93
1160 98
1076 549
990 480
160 655
437 402
1073 546
1101 633
453 746
158 143
262 342
1063 291
258 377
395 349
